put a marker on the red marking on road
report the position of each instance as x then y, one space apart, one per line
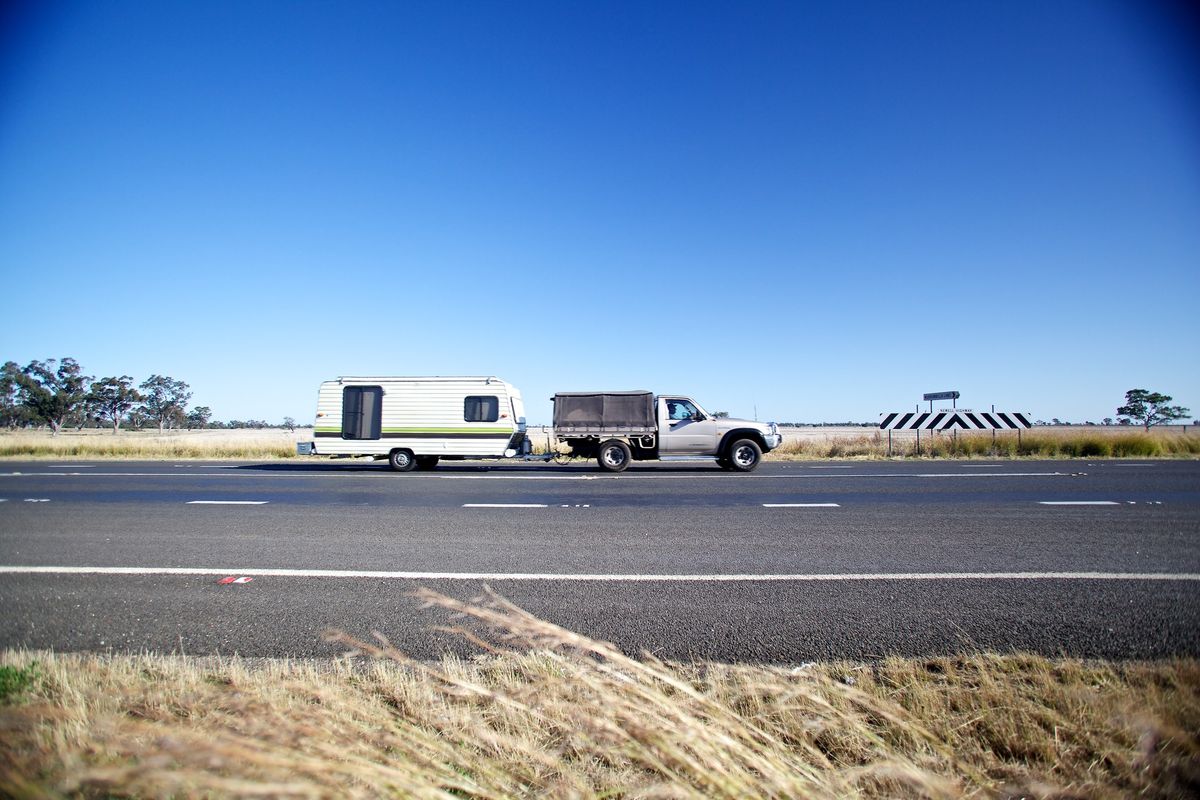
235 579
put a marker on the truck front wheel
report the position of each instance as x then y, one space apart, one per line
613 456
744 455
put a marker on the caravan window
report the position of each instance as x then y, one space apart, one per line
481 409
361 407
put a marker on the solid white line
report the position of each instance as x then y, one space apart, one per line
1078 503
227 502
625 476
505 505
800 505
537 576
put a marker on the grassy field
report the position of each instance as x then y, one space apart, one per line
551 714
1073 442
215 444
798 444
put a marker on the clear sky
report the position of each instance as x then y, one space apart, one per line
818 211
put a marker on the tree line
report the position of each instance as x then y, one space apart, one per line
56 393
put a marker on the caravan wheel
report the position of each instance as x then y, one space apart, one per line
402 460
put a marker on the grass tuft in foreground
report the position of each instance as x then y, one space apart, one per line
550 713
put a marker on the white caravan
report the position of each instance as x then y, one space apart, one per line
415 422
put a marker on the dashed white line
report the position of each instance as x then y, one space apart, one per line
800 505
1078 503
227 502
615 578
505 505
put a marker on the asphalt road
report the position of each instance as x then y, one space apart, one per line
795 562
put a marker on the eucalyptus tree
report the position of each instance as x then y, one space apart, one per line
52 395
113 398
164 398
1150 408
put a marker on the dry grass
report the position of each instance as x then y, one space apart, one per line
1078 443
273 444
208 444
553 714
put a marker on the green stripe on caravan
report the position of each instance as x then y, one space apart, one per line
427 430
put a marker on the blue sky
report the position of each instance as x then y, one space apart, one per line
815 211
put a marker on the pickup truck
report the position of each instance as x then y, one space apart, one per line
616 428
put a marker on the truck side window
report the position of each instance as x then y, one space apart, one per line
481 409
681 409
361 407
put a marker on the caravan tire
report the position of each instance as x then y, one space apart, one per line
402 460
614 456
427 462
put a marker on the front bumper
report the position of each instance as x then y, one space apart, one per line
773 438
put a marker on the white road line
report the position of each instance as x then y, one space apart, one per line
1078 503
625 476
618 578
505 505
800 505
227 502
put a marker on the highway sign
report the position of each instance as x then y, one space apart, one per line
942 396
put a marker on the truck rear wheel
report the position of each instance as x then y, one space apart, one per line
614 456
744 455
402 460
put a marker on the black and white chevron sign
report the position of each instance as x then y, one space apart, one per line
948 420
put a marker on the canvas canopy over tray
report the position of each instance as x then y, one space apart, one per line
604 411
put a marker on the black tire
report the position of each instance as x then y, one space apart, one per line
402 460
744 455
427 462
613 456
723 463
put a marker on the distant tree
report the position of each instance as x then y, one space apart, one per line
1150 408
53 395
1108 421
164 398
112 398
289 423
198 417
1056 421
13 413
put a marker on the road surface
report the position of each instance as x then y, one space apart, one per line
796 562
